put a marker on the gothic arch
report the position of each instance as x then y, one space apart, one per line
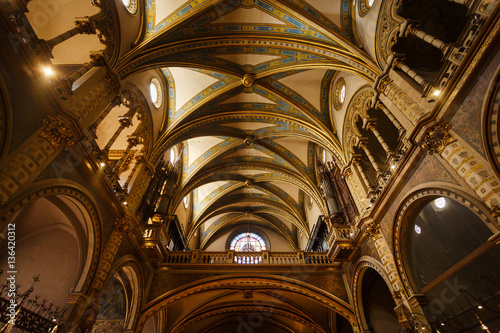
84 201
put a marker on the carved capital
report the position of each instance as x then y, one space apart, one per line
122 227
58 133
379 105
411 30
437 138
84 25
97 59
398 62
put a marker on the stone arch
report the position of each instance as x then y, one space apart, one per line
130 271
409 203
230 281
362 265
82 199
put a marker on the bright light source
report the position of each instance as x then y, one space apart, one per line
418 230
440 203
479 306
125 203
436 93
102 164
393 166
48 71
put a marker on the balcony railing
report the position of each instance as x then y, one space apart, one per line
248 258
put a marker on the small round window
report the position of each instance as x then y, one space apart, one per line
339 93
364 6
156 92
130 5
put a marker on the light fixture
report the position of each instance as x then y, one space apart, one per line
436 93
48 70
125 203
479 306
418 230
393 166
102 164
439 203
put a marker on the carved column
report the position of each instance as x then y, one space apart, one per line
139 158
83 26
125 121
363 144
469 167
132 142
356 162
399 63
412 30
26 162
115 102
97 60
379 105
371 125
83 317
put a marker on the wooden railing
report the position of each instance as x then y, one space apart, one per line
248 258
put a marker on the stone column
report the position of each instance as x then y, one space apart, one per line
357 165
412 30
363 144
139 158
83 26
125 121
379 105
115 102
371 125
399 63
132 142
97 60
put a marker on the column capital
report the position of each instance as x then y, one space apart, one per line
437 138
85 26
398 62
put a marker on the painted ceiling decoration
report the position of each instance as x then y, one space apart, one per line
248 104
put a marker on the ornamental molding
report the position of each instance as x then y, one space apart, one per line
437 138
58 133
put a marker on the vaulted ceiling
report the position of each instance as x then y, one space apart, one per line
250 99
248 102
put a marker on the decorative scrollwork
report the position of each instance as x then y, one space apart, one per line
437 138
58 133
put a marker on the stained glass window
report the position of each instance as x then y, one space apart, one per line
248 242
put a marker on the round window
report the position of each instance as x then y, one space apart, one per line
364 6
339 93
130 5
156 93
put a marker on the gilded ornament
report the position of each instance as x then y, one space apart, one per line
495 211
247 80
437 138
58 133
122 227
372 229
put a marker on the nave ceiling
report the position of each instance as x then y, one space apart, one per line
247 100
